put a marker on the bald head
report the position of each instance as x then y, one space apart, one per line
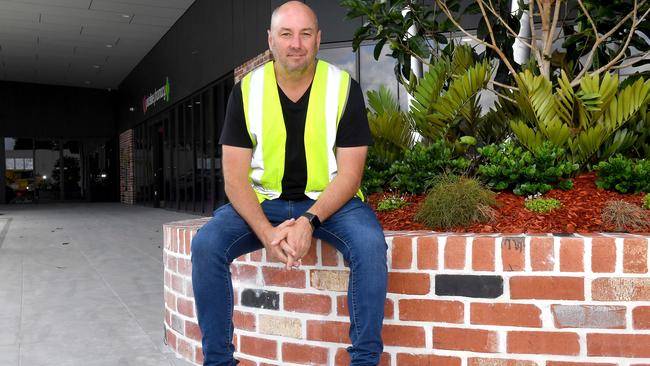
290 9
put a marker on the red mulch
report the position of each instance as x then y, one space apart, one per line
580 212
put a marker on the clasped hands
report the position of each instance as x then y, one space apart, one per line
290 241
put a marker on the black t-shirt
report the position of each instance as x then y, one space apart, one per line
352 131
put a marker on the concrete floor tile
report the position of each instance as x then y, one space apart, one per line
9 331
9 355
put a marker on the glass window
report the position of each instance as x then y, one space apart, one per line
19 170
342 57
375 73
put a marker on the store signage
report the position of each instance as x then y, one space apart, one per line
151 99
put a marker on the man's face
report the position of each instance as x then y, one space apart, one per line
294 38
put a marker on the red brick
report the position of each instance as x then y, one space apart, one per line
185 349
274 276
455 252
310 258
342 307
561 363
300 353
198 355
551 343
517 315
635 255
328 331
188 241
572 252
513 255
409 283
170 300
483 254
549 288
171 265
307 303
246 362
603 254
192 331
184 267
185 307
406 359
431 310
474 340
342 358
641 317
178 284
259 347
620 289
589 316
329 256
480 361
243 273
427 253
402 252
542 255
242 320
170 339
256 256
618 345
403 335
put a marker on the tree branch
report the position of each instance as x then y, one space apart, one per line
505 24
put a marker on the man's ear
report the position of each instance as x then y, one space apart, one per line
269 38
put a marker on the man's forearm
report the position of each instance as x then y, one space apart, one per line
243 199
340 190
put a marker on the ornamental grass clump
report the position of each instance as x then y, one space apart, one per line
457 201
624 216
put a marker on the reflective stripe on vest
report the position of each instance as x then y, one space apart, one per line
265 124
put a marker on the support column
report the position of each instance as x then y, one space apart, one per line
2 170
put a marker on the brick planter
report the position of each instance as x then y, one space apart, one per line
453 300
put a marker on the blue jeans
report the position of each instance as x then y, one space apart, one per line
353 230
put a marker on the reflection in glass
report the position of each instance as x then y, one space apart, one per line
46 156
19 170
375 73
342 57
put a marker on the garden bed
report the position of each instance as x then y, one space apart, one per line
580 212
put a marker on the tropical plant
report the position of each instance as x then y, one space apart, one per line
457 201
623 174
646 201
592 123
390 128
509 166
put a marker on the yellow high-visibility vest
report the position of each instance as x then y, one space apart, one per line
265 124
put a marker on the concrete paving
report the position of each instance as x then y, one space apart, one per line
82 284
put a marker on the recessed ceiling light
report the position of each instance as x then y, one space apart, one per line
87 82
108 45
126 16
96 66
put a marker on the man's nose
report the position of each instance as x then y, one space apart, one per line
296 42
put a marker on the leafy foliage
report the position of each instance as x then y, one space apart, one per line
646 201
592 123
508 166
413 174
624 175
542 205
624 216
390 128
457 201
391 202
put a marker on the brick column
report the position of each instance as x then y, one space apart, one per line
251 64
127 183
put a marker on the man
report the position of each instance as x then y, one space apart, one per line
294 146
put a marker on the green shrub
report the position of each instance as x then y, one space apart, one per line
413 174
509 166
457 201
624 216
624 175
391 202
646 201
375 174
542 205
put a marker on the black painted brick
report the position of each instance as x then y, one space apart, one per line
260 299
489 287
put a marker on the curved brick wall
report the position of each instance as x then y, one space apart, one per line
453 300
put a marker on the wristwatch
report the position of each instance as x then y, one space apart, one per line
313 219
